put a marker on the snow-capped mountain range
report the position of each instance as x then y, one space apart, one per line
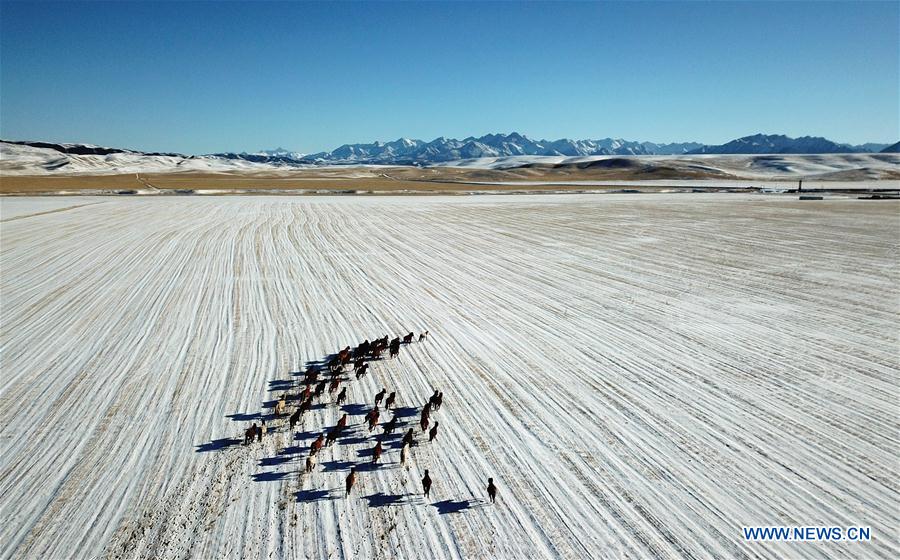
405 151
419 152
23 156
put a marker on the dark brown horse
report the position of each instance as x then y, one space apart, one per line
351 479
376 453
390 426
379 396
295 417
250 434
333 434
316 445
408 338
305 406
409 438
373 419
320 388
391 400
342 396
432 433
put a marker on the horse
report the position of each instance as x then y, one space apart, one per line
362 370
351 478
310 463
333 364
394 350
342 396
373 419
409 438
433 432
390 400
408 338
305 406
492 490
335 383
376 353
432 402
426 411
423 336
249 434
439 401
311 374
295 417
279 406
424 423
316 445
376 453
379 396
389 427
320 388
261 431
332 436
404 454
426 483
304 396
342 423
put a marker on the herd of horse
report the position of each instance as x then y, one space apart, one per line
327 376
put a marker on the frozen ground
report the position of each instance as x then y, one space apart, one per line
642 375
713 184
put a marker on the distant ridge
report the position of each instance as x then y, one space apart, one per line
781 144
405 151
892 149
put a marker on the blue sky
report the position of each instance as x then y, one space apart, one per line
206 77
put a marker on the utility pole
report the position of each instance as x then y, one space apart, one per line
800 186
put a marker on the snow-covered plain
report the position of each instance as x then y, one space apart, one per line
642 375
759 167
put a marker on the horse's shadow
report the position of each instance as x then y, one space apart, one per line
217 444
353 440
244 416
314 495
405 411
307 435
457 506
274 461
354 409
281 385
269 476
368 466
380 499
336 465
293 450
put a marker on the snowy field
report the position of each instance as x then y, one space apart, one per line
642 375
